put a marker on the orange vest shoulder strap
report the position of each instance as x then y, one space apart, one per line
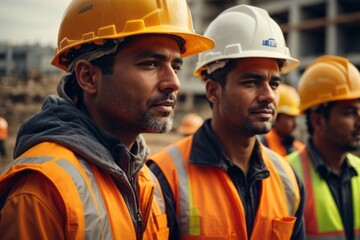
274 143
74 188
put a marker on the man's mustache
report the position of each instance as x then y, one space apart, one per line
166 97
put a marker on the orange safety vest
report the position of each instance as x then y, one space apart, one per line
274 143
84 188
209 206
322 217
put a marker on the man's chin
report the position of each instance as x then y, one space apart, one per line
353 147
262 128
160 126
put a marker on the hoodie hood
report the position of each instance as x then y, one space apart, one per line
61 122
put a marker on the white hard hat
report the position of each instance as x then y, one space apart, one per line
244 31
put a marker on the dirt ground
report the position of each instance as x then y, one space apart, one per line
158 141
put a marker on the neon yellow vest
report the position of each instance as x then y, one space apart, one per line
322 217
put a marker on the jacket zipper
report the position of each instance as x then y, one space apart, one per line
139 223
137 211
148 207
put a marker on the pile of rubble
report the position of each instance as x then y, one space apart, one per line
21 98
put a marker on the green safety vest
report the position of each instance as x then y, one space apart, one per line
322 217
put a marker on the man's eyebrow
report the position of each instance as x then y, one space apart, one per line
348 107
251 75
259 76
276 78
160 56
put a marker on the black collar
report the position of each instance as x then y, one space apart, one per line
206 151
347 171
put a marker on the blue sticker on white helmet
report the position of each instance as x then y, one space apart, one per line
271 42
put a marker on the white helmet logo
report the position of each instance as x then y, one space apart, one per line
271 42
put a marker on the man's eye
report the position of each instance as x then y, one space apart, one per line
351 112
176 68
249 83
274 85
149 64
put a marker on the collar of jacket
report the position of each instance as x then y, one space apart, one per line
206 150
322 168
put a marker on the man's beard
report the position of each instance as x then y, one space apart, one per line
263 125
165 124
151 125
259 128
351 147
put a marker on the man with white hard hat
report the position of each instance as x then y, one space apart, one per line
222 182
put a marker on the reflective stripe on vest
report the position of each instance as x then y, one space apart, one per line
96 224
322 218
189 225
158 194
287 184
273 142
189 220
90 222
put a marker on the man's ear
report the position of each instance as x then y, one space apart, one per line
317 120
213 90
87 76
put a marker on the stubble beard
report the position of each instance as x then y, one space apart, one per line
262 127
252 128
353 146
153 125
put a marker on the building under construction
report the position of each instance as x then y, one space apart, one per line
311 28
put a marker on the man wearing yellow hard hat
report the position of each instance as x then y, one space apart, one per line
281 138
190 123
329 92
4 134
79 171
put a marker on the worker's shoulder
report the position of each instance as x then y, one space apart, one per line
353 159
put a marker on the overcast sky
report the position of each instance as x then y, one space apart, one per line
31 21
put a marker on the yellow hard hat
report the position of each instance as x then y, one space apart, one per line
93 21
3 123
328 78
190 124
289 100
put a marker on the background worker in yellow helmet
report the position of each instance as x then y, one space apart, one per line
281 138
79 171
190 123
329 92
4 134
221 182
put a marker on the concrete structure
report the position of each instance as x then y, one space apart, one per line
25 60
311 28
